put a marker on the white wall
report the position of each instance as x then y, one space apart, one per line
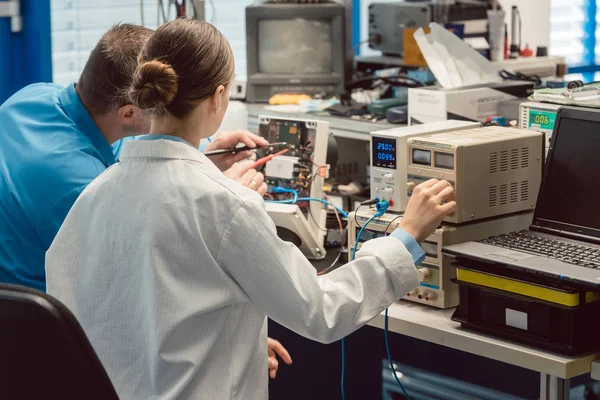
535 15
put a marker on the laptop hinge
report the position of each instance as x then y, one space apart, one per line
537 228
565 234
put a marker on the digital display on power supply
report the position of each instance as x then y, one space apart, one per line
384 152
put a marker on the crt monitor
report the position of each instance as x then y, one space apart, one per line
296 48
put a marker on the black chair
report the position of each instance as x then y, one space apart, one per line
44 353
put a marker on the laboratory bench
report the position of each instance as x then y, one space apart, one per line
435 326
425 338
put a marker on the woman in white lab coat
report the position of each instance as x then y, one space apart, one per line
172 268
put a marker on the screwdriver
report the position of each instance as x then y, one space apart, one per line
234 150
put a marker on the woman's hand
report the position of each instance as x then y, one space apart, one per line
275 349
227 140
247 176
430 202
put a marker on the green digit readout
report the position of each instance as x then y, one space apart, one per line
542 119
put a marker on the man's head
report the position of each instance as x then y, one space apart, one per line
107 76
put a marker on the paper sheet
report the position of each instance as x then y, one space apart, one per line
453 63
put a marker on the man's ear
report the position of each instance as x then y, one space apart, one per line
126 114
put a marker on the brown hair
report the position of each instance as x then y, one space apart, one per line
182 64
108 72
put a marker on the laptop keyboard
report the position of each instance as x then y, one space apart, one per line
571 253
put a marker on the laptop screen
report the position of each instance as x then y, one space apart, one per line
570 191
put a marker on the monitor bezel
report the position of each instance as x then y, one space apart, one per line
564 112
333 11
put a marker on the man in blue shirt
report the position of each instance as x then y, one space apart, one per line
55 141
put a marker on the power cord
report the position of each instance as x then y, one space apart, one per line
382 207
389 354
279 189
517 76
362 229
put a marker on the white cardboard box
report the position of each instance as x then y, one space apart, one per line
474 103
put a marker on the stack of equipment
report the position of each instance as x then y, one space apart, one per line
540 286
492 200
436 273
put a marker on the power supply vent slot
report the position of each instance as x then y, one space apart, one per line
514 159
504 160
493 196
525 157
524 190
514 192
503 194
493 162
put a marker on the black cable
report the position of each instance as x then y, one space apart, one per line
390 224
517 76
315 221
337 258
355 220
399 80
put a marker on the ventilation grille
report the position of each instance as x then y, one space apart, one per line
493 162
514 192
493 196
503 195
524 190
525 157
508 193
514 159
504 160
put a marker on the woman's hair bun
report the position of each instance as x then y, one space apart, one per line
154 85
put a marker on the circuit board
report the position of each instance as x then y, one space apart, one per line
295 169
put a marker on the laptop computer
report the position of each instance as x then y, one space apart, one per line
563 241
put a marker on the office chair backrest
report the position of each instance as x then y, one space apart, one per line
44 353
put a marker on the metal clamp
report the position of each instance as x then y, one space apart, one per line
12 9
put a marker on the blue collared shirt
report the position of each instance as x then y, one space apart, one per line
51 150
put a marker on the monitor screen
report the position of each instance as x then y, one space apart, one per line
295 46
570 191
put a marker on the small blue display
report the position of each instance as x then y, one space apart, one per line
384 152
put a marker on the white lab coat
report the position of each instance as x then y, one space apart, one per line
171 268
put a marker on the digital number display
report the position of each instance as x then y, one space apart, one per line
543 120
384 152
444 160
421 157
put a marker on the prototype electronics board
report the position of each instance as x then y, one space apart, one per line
299 173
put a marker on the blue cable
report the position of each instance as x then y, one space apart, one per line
362 229
353 255
389 355
342 212
279 189
382 208
298 200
